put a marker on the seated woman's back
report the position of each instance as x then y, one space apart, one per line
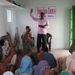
50 59
40 68
25 67
26 64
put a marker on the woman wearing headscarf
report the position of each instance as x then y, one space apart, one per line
25 67
41 66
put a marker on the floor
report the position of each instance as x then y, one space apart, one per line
60 53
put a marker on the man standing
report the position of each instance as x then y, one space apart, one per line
42 29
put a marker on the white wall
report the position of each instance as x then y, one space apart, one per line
11 26
59 27
2 22
6 26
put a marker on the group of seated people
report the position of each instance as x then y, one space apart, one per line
27 61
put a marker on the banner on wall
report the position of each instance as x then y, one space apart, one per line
49 11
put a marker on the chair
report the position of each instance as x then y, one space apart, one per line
49 38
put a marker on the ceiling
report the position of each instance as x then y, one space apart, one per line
5 3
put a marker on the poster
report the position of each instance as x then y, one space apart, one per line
49 11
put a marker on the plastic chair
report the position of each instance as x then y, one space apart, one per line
49 38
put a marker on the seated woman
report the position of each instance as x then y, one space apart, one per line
9 39
5 49
41 66
4 62
27 39
25 67
70 63
49 58
15 61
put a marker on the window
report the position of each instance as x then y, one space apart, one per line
9 16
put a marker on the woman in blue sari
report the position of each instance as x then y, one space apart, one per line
25 67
